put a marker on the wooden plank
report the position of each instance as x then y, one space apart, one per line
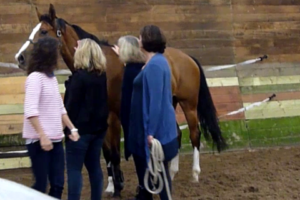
198 34
16 85
217 82
265 42
10 48
199 2
274 109
228 90
13 119
166 26
266 17
291 57
191 9
15 163
228 107
229 98
15 9
10 129
15 38
280 96
265 2
12 99
262 9
66 2
10 89
266 25
15 28
201 43
271 80
270 89
254 50
11 109
24 18
4 71
167 18
225 51
268 69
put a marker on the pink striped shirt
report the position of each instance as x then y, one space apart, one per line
42 99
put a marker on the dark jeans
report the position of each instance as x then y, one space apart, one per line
86 150
48 164
141 170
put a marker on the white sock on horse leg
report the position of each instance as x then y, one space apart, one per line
174 167
110 187
196 165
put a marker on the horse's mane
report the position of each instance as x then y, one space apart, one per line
82 34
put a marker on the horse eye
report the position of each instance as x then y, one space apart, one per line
43 32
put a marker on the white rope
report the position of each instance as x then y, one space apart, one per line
182 127
8 65
250 106
247 62
155 167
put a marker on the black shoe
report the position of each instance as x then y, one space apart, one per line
142 194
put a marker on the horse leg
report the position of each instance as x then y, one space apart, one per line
117 174
107 155
190 110
174 166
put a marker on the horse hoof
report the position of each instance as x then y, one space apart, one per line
195 177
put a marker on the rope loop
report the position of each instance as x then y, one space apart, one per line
156 169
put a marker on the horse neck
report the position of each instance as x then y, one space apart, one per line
67 51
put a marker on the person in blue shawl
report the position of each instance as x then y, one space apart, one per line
152 114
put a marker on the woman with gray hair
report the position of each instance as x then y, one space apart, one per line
129 52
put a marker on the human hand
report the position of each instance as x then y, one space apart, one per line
150 139
116 49
46 144
74 136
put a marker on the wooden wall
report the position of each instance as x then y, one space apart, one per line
214 31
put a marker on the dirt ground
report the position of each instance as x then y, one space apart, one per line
262 174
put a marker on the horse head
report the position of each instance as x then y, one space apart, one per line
50 25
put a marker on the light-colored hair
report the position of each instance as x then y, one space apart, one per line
129 50
89 55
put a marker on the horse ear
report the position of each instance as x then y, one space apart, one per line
52 12
38 13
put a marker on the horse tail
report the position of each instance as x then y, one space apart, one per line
207 113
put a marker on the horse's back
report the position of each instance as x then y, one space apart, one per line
185 74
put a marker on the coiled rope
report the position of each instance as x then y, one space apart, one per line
155 167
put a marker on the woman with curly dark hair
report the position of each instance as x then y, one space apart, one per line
44 113
152 113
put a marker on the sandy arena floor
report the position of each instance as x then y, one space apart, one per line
263 174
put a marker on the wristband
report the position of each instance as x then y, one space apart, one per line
74 130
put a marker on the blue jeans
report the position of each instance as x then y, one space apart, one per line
48 164
86 150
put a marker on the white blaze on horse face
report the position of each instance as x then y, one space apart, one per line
196 165
26 44
174 168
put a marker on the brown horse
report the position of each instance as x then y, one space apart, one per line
189 87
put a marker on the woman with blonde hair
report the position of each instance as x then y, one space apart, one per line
129 52
86 102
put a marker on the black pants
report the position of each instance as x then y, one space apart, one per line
141 170
48 164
